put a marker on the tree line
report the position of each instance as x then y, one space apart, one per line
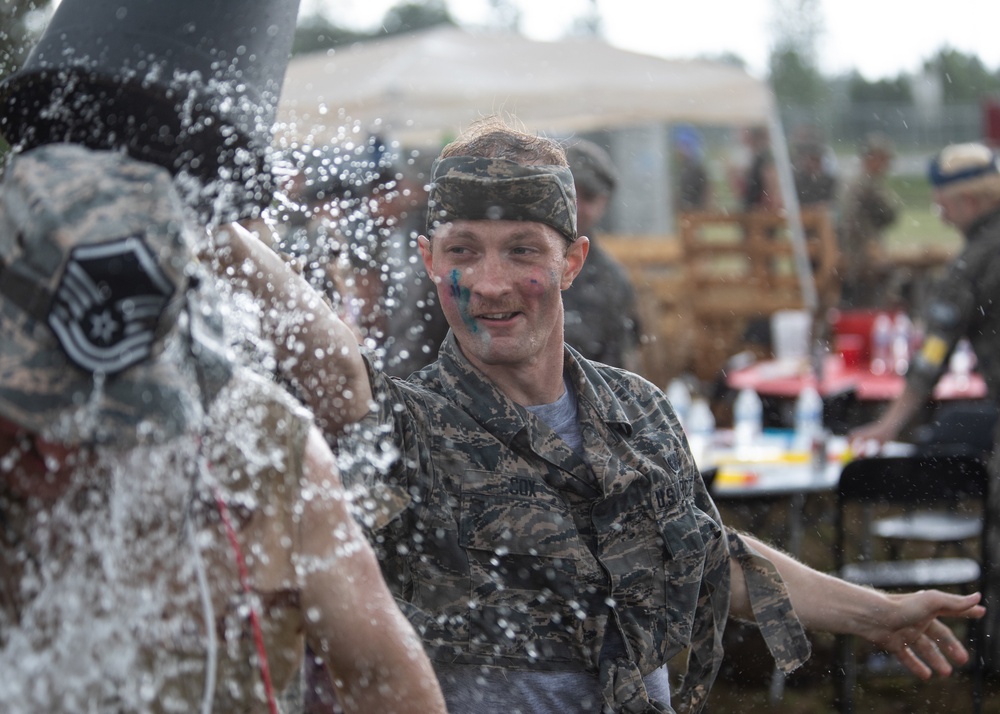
793 71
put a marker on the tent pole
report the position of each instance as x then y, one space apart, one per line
790 200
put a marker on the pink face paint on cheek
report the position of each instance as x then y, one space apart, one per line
540 284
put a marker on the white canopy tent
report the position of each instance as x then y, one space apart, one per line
423 88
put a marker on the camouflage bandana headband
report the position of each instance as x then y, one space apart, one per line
474 188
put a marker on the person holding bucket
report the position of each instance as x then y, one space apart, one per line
173 527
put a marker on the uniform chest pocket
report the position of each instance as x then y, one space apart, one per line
514 525
523 555
686 544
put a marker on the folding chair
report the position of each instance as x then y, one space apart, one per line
953 482
960 429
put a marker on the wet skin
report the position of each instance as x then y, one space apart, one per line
500 284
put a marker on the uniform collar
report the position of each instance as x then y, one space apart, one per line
593 388
466 386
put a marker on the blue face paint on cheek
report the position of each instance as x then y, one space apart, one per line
456 287
461 297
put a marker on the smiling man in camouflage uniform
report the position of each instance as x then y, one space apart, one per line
544 525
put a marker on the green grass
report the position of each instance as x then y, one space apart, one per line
918 225
921 227
914 191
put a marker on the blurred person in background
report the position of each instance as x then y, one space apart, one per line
693 186
759 185
325 225
601 308
414 324
868 206
815 184
351 224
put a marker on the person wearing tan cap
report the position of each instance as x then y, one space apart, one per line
966 182
172 526
966 304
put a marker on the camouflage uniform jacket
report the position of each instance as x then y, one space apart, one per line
966 303
601 311
513 544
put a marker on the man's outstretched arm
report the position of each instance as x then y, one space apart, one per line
905 625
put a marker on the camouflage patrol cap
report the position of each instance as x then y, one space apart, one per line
475 188
101 341
877 143
966 167
592 167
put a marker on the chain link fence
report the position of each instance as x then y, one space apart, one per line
913 129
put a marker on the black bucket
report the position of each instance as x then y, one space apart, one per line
192 85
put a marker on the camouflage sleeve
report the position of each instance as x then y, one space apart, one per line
785 637
633 316
703 499
370 454
946 318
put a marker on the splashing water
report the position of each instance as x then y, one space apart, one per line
103 585
102 591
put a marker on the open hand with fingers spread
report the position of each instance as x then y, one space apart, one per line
905 625
909 629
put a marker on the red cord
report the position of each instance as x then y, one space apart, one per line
258 633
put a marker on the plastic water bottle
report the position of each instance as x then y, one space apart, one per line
881 343
962 362
700 427
808 420
901 329
679 397
748 413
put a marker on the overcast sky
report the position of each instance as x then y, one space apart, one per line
880 38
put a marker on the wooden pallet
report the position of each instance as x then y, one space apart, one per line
699 292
